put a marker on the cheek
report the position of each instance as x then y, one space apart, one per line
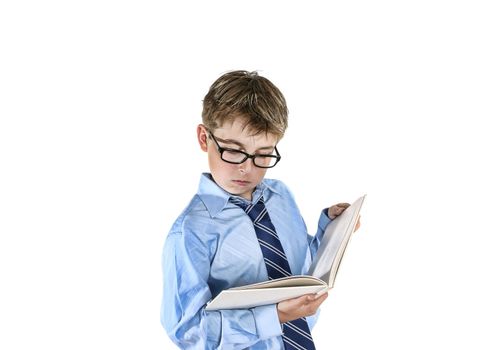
214 160
220 168
259 174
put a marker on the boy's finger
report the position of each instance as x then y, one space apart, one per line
319 300
320 294
338 210
357 226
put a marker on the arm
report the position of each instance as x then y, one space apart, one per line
314 242
186 264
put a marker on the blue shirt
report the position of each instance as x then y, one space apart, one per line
213 246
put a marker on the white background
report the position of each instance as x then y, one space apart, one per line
99 102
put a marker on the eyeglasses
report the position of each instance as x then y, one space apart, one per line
235 156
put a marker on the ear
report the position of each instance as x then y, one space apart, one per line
202 137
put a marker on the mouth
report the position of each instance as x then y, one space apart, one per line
241 182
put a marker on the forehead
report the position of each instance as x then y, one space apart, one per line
235 130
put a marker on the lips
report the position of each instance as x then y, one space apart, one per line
241 182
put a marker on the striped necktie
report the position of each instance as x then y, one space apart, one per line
296 334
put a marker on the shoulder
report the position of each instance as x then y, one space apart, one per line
191 243
194 211
193 229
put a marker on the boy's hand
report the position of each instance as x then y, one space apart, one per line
336 210
306 305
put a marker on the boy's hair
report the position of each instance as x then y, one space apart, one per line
246 94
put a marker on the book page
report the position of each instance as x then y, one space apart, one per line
246 298
291 281
334 243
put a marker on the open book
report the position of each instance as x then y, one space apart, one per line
321 274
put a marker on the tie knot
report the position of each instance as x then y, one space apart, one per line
246 206
239 202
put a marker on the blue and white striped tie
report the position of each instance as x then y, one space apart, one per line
296 334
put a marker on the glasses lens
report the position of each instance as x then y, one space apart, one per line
265 161
233 156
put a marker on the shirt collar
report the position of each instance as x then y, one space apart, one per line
215 198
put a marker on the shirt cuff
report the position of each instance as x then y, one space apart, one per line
324 221
267 323
312 320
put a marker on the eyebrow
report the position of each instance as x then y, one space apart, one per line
237 143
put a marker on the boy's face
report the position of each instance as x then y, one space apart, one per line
237 179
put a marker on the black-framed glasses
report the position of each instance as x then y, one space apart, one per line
235 156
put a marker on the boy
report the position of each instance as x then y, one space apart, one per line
239 228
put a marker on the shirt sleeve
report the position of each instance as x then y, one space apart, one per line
315 240
186 268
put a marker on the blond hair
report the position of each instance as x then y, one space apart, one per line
250 96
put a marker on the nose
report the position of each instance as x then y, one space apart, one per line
245 167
